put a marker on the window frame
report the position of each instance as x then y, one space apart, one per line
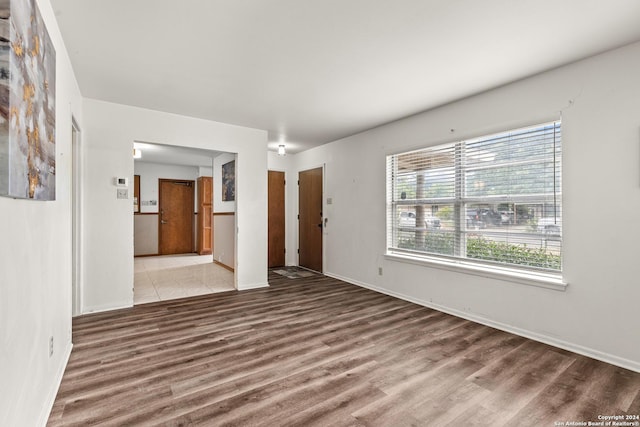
458 261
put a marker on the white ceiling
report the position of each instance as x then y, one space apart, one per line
313 71
173 155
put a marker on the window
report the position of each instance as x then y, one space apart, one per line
494 200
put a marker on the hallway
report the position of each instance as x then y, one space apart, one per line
162 278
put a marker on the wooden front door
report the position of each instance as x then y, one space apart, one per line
176 199
310 221
205 215
276 219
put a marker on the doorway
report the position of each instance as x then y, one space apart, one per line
158 276
310 219
276 219
163 278
175 225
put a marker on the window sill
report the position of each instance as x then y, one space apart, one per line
543 280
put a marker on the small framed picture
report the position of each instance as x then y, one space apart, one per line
229 181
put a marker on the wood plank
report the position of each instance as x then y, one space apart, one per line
318 351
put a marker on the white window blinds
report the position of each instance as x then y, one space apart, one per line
495 199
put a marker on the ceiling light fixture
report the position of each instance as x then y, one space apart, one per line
137 154
281 150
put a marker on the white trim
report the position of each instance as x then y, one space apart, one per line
253 286
53 392
76 216
236 215
458 168
545 339
111 307
548 281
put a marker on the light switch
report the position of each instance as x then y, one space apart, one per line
123 193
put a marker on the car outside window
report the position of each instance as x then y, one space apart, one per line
495 199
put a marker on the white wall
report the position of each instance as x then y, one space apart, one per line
224 237
35 270
150 173
205 171
109 131
224 240
145 234
599 99
145 227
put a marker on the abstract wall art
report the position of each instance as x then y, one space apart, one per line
229 181
27 103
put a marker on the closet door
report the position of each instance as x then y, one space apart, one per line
276 219
205 212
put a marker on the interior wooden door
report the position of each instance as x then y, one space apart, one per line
276 219
176 200
205 212
310 219
136 193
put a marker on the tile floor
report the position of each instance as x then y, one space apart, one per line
162 278
294 272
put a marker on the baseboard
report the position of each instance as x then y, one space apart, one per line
223 265
101 308
253 286
51 398
545 339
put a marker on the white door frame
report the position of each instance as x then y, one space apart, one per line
76 218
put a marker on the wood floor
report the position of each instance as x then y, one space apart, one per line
317 351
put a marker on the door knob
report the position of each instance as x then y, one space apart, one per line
162 221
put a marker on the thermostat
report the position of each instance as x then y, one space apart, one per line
122 182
